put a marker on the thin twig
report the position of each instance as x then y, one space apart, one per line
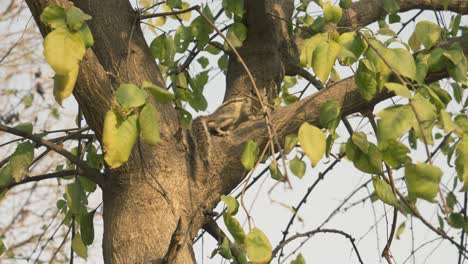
313 232
177 12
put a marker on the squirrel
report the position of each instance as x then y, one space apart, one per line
229 116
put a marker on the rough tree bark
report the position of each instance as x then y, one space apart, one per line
144 223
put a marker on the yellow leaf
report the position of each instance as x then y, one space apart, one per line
64 84
63 50
312 141
119 136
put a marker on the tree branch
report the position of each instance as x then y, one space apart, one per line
176 12
313 232
358 14
52 175
88 172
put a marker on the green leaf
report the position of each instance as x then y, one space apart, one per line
63 50
20 160
75 18
25 127
275 172
461 162
54 16
298 167
360 140
79 247
330 114
149 124
394 122
345 4
368 163
352 47
5 175
456 220
161 95
400 230
422 67
313 142
204 62
437 62
425 33
236 34
87 227
64 84
223 62
257 246
332 13
384 192
174 3
365 79
130 96
400 60
231 204
234 228
73 195
201 30
2 247
233 7
398 89
426 117
308 48
198 101
395 153
324 58
457 67
250 154
87 36
119 136
87 184
182 38
423 180
446 120
224 249
185 118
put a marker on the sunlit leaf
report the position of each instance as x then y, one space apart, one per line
64 84
324 58
234 228
298 167
312 141
63 50
79 247
149 124
400 230
54 16
129 96
231 204
257 246
250 155
161 95
423 180
119 136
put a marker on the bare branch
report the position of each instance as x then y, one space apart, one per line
312 233
52 175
